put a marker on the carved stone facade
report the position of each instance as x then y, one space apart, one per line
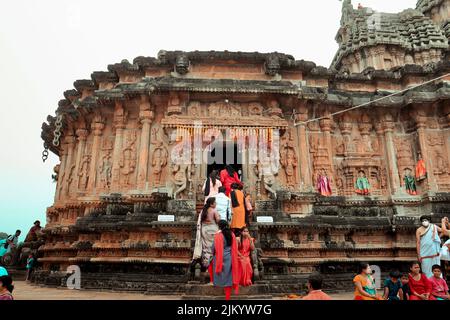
135 140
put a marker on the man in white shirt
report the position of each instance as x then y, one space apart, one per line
223 205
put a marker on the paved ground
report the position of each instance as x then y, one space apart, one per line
25 291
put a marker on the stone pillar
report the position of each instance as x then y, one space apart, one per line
388 126
97 126
381 147
120 117
70 144
61 174
421 125
82 135
146 117
325 126
305 167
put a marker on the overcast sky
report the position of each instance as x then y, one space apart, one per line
46 45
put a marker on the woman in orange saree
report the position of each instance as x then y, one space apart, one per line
421 171
246 245
365 285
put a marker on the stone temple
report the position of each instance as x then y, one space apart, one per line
118 134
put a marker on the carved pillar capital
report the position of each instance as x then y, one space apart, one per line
301 112
388 126
97 128
82 134
120 116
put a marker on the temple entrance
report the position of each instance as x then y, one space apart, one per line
223 153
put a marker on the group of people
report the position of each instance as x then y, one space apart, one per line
8 244
408 286
223 243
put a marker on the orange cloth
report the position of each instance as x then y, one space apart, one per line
421 171
317 295
238 218
364 283
246 269
219 242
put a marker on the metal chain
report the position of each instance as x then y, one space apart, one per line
57 132
45 152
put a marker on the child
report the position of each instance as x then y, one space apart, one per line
439 289
393 286
406 292
30 266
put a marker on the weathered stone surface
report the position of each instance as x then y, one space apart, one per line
125 135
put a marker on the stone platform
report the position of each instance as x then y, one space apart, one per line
198 291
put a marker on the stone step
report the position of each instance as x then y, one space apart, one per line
206 290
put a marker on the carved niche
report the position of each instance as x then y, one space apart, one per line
128 158
105 164
404 155
289 158
160 154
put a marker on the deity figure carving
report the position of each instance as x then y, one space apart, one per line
339 145
160 153
410 182
268 173
127 164
195 109
441 166
375 144
182 64
105 171
70 179
274 109
159 161
289 158
362 185
180 177
435 140
404 153
83 172
255 109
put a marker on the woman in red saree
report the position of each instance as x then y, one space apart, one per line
225 260
228 176
246 245
419 284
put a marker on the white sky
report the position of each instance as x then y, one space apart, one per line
46 45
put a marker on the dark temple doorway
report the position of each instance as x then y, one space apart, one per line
223 153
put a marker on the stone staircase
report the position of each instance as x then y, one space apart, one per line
199 291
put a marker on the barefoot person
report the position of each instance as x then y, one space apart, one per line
418 283
364 284
228 176
225 260
428 245
206 229
211 186
238 204
246 245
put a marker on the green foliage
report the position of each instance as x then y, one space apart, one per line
3 235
